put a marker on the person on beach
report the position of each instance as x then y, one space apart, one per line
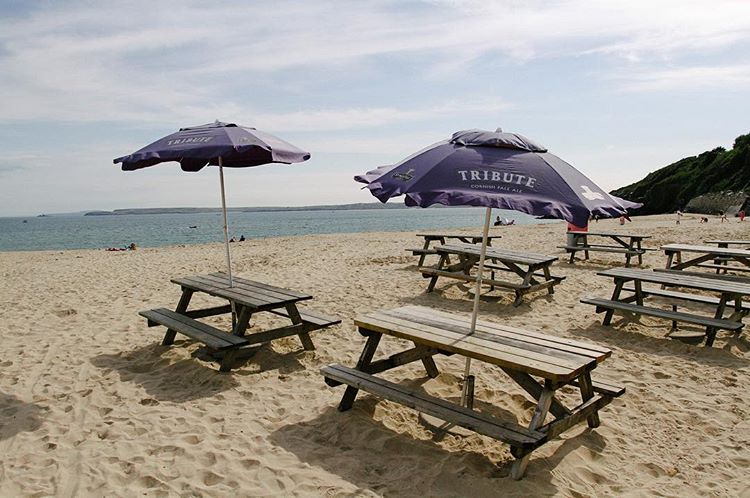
741 215
242 238
132 246
679 215
498 222
723 216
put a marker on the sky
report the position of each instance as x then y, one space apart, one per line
617 88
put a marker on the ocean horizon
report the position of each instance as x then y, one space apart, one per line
74 231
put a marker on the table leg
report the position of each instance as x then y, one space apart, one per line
542 408
587 392
434 278
615 297
640 252
425 247
304 337
711 331
182 307
373 339
548 277
243 320
670 256
535 389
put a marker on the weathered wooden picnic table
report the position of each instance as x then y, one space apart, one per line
628 244
532 268
723 295
521 354
719 257
245 298
429 238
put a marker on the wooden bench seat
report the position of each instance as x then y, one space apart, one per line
508 432
685 296
419 251
604 387
723 267
315 319
210 336
603 305
621 250
427 271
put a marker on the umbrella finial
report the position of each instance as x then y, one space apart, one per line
499 130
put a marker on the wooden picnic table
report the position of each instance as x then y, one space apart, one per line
628 244
245 298
532 268
521 354
727 295
429 238
719 256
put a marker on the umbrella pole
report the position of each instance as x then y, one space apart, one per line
467 396
226 228
226 234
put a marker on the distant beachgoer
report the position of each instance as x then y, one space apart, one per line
741 214
132 246
723 216
704 219
622 220
498 222
232 240
242 238
679 215
508 222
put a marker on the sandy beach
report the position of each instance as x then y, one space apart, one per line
92 405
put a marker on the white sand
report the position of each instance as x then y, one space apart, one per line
92 405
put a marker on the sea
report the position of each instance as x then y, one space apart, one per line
60 232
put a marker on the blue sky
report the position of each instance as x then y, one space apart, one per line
616 88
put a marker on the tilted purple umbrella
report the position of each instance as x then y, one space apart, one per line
216 144
494 170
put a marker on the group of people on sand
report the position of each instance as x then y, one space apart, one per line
131 247
704 219
241 239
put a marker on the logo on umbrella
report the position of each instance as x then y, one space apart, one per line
404 176
591 195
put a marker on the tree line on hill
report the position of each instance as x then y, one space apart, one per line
722 174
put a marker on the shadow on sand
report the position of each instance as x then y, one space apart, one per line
18 416
191 378
720 354
369 454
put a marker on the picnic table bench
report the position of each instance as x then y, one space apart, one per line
728 294
429 238
627 244
245 298
720 257
722 261
521 354
532 268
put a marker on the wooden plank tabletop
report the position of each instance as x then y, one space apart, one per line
245 292
612 234
720 251
679 279
522 257
554 358
728 242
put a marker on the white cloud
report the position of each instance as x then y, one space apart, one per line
74 62
680 78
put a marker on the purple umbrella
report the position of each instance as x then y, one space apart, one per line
217 144
494 170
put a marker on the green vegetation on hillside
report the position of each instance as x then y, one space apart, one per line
670 188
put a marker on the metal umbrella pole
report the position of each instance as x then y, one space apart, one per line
226 236
467 395
226 228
